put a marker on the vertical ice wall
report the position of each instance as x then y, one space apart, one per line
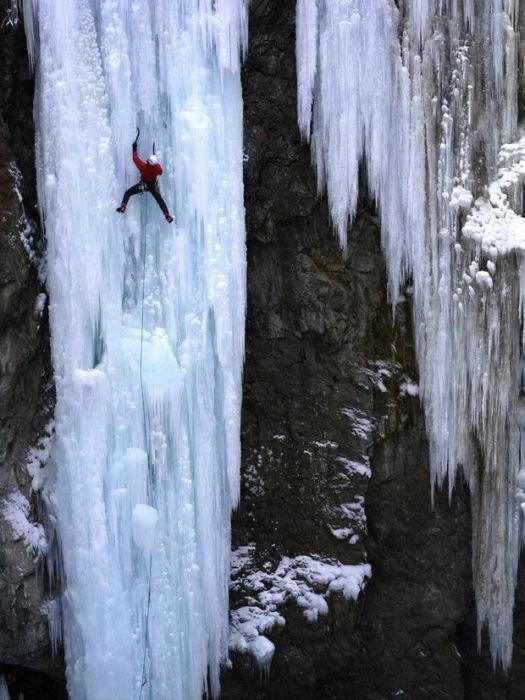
147 325
425 93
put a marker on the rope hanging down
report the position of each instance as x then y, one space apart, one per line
144 251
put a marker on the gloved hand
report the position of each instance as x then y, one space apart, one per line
135 142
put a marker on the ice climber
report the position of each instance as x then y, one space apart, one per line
149 171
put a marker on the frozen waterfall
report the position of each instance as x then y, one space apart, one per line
147 326
426 95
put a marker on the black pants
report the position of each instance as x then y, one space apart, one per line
146 187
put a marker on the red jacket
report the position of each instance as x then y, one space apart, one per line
148 173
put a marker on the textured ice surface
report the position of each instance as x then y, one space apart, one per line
425 101
144 523
144 418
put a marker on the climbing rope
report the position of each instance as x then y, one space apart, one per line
144 679
144 242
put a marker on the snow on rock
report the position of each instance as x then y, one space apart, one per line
348 520
360 424
352 467
38 455
305 580
408 388
494 225
262 650
241 560
40 303
325 444
254 483
26 227
15 510
377 372
493 221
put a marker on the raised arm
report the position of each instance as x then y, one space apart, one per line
138 162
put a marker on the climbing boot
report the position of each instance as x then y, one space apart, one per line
121 209
169 218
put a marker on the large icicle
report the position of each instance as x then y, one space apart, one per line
147 328
426 101
306 21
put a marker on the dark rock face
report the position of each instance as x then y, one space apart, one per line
323 356
26 392
419 591
317 325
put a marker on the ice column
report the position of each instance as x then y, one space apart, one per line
426 101
147 325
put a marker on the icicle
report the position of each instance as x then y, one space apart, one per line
26 8
262 650
414 109
51 608
306 37
421 11
4 690
147 325
231 32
